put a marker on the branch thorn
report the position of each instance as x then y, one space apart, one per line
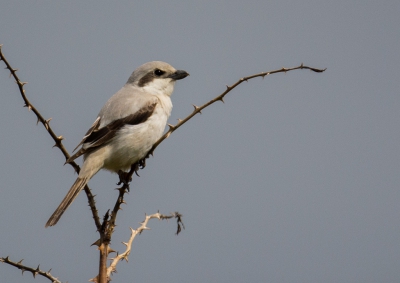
97 243
29 107
34 273
196 108
171 127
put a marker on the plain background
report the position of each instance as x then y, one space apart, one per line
294 179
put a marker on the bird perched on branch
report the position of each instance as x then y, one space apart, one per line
126 128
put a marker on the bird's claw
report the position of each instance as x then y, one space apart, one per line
141 164
124 178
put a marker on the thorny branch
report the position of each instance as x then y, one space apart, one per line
197 109
34 272
108 225
57 139
125 179
128 245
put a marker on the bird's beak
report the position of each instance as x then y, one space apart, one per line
178 75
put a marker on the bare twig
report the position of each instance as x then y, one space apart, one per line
197 109
124 256
28 104
57 139
34 271
109 224
92 205
104 244
143 226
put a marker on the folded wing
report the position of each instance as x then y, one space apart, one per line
96 136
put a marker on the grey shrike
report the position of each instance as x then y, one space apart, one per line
128 125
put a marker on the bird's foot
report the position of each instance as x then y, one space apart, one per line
141 164
124 178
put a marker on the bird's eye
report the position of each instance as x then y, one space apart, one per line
158 72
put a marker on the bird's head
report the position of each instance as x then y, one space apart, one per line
156 77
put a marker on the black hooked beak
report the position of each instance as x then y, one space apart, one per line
178 75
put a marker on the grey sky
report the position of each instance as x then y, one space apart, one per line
294 179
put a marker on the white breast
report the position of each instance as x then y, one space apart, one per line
132 143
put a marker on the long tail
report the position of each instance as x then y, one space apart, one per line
68 199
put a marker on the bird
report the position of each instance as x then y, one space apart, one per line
126 128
